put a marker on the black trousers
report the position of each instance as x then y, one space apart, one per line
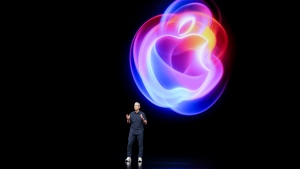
133 135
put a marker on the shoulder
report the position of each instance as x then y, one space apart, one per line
142 112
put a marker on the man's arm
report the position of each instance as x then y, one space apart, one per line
145 122
128 118
144 119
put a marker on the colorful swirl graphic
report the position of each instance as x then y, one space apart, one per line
177 58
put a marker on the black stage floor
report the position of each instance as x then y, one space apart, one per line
165 162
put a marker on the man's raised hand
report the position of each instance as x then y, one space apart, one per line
127 116
142 116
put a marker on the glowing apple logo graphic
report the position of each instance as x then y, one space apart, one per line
177 58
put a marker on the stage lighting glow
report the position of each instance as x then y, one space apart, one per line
177 58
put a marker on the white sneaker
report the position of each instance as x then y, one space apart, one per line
140 159
128 159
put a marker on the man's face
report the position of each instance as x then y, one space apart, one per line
136 106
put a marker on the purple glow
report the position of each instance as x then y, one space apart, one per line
177 58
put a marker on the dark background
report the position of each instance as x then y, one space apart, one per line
95 89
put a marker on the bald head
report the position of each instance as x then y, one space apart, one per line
137 106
